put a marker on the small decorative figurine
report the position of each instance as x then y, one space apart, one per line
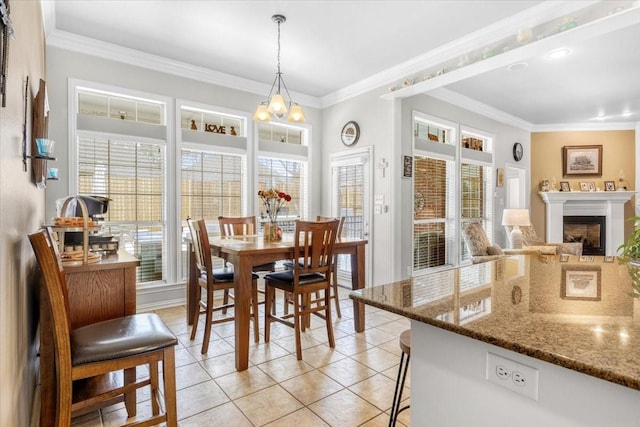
193 125
544 185
233 131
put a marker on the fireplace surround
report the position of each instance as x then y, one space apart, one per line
609 204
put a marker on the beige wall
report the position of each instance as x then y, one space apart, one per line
618 153
21 212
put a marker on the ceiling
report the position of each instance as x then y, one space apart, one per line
332 50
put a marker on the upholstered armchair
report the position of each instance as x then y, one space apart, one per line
531 239
478 244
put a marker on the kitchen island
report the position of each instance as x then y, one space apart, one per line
570 325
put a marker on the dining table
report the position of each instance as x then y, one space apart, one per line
244 252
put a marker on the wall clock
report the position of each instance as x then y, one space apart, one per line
350 133
517 151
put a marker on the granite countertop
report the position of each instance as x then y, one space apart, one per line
576 312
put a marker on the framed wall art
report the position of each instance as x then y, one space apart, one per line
580 283
407 166
582 160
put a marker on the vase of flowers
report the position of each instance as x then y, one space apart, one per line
272 201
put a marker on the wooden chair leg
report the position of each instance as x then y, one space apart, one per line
169 377
155 394
297 321
207 326
196 314
254 309
268 301
336 297
225 300
327 311
130 398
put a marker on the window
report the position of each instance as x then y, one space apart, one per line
432 196
476 173
282 164
288 176
213 168
120 153
130 173
452 181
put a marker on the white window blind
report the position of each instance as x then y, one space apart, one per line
475 200
289 176
132 174
212 184
433 227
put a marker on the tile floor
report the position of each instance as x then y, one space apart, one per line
351 385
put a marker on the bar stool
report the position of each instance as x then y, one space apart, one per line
405 346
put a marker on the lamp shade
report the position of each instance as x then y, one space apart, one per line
516 217
262 114
277 106
296 115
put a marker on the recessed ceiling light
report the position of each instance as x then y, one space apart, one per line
559 53
517 66
627 113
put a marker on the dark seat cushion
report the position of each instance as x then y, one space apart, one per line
287 277
225 274
118 338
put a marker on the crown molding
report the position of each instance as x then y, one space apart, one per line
462 101
93 47
570 127
543 12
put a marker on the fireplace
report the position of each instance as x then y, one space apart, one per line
588 230
609 204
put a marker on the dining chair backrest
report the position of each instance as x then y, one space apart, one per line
201 246
329 218
237 225
313 242
57 298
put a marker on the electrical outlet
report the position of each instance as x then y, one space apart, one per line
512 375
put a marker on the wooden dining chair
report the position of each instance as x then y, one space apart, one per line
313 242
334 272
243 226
213 280
119 344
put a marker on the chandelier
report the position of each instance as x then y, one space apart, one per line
275 103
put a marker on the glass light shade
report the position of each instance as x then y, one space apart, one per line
296 115
262 114
277 105
514 217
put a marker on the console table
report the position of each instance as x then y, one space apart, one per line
97 292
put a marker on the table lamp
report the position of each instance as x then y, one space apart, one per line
516 218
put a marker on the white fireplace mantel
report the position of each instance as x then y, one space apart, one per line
609 204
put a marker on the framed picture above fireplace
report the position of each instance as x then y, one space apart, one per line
582 160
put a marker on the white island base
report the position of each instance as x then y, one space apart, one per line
448 388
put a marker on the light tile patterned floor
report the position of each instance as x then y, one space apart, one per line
350 386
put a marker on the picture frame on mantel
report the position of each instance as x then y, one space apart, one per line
582 160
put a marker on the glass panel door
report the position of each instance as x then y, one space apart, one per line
350 199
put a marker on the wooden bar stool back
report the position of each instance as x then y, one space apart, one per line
213 280
313 243
119 344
